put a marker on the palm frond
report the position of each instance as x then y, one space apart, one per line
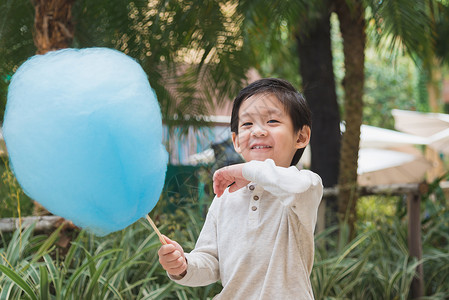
441 17
186 44
404 28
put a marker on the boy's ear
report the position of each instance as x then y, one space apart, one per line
303 137
235 141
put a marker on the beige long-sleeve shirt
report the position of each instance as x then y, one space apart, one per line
259 240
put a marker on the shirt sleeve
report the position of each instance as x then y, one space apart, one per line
202 262
280 180
299 190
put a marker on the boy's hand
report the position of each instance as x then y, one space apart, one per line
226 176
172 258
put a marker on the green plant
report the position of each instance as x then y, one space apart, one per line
13 201
337 267
435 237
374 265
122 265
388 85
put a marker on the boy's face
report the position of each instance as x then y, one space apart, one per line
265 130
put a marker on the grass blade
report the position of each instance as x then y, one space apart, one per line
93 283
81 269
44 284
17 244
19 281
71 253
44 249
6 291
111 288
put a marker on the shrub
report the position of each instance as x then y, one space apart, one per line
13 202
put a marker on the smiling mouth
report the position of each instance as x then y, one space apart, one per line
260 147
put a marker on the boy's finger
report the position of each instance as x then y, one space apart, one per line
171 242
218 190
178 268
173 257
237 185
234 188
166 249
167 240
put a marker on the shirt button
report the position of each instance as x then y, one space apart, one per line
251 187
256 197
254 208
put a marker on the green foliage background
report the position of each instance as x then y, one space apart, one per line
124 265
12 198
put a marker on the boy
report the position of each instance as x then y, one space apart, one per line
258 234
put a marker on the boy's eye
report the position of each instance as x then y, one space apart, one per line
273 121
247 124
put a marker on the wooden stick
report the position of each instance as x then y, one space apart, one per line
161 238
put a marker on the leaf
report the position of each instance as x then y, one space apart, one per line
17 279
44 284
93 282
71 253
111 288
17 244
44 248
6 289
80 270
56 277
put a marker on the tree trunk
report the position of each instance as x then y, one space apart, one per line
53 26
433 87
352 27
317 73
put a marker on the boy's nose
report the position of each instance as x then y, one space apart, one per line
258 131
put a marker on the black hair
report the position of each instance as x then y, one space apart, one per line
293 101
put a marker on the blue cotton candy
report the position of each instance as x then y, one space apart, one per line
83 131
